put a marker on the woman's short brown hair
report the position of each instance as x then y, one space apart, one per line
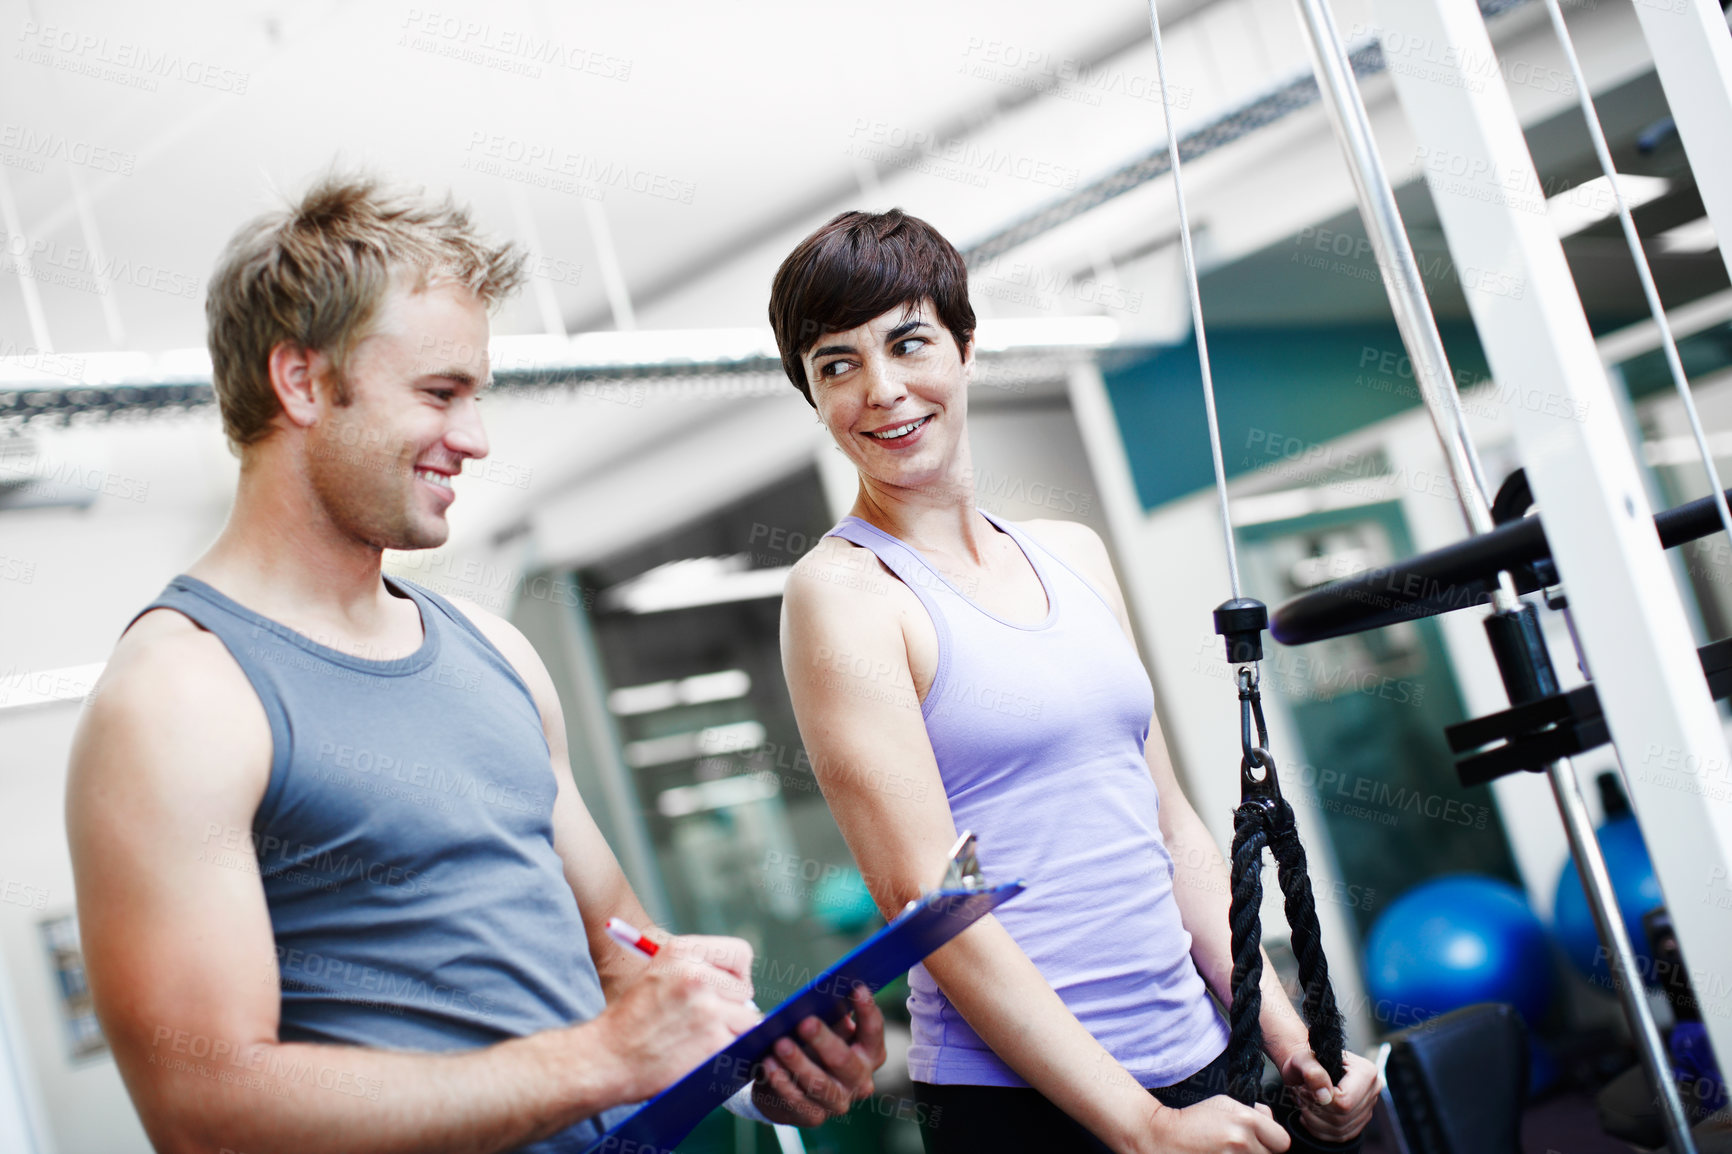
859 266
314 275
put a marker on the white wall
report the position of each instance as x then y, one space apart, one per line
70 581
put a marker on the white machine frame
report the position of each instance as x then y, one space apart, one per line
1632 623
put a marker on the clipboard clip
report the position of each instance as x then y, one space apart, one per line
962 870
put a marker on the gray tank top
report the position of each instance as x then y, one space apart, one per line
405 841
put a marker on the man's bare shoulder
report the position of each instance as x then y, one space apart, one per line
171 702
167 661
507 637
510 641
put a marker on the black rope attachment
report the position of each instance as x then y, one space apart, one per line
1265 819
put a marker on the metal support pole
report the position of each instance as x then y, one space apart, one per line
1626 974
1400 270
1693 57
1627 608
1431 368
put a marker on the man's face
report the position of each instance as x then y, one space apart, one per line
893 393
382 464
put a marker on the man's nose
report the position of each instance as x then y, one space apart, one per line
466 435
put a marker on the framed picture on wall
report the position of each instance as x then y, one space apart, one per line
66 959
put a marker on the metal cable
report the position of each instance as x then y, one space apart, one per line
1634 240
1224 130
1296 94
1196 294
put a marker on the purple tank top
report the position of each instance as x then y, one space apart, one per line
1039 730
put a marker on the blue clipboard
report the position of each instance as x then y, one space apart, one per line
663 1122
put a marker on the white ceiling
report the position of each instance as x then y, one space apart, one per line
741 115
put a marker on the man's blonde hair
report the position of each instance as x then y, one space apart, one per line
315 274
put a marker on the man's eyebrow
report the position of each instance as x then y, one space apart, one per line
462 377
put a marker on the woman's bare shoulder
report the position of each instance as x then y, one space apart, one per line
1073 542
838 576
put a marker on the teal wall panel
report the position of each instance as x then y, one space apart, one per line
1274 387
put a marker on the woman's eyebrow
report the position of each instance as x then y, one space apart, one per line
904 329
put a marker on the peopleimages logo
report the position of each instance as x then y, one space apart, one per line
122 61
43 146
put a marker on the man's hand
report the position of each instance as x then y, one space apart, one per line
689 1002
1332 1113
827 1071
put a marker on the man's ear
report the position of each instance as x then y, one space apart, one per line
295 376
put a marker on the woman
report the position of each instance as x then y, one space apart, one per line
995 682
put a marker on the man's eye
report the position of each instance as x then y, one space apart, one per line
442 394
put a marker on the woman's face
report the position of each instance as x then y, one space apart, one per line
894 394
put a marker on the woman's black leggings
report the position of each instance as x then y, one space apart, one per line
995 1119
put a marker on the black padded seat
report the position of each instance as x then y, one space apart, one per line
1459 1080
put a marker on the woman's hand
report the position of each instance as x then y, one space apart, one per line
1217 1125
1331 1112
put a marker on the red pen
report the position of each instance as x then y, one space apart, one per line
631 937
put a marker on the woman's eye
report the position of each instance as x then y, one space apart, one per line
907 345
831 368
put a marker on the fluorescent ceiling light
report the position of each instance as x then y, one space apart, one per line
1310 572
639 348
719 346
1006 333
696 581
60 369
1684 451
708 742
722 793
1590 203
1697 236
658 695
1287 504
47 686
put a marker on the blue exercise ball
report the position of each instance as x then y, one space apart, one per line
1455 941
1638 892
842 902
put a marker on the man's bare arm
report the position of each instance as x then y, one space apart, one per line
168 767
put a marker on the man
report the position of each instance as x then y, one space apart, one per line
337 888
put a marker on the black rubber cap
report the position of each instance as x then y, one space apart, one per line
1242 621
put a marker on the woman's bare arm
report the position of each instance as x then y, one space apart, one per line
845 655
1202 886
